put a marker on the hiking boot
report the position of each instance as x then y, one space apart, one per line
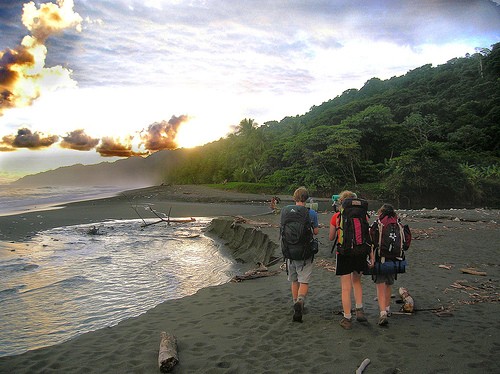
346 323
360 315
298 308
382 321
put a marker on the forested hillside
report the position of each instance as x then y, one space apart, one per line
428 137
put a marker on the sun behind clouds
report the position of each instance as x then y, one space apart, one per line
196 132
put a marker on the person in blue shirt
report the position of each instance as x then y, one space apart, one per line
300 271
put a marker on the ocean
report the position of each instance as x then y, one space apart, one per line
64 282
15 200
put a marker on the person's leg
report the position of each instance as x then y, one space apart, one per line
302 291
295 290
388 291
298 302
303 276
298 306
293 278
358 296
358 289
346 284
381 298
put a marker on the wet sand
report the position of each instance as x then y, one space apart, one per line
247 326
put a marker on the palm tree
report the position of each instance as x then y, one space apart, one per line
246 126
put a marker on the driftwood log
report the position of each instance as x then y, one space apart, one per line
239 278
472 271
408 303
363 366
167 357
240 220
261 271
162 218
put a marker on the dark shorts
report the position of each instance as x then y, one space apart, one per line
348 264
383 278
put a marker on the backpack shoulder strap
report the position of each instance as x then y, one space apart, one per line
380 226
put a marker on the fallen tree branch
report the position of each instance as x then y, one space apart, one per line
166 217
275 261
261 271
325 264
473 271
478 293
170 220
239 278
240 219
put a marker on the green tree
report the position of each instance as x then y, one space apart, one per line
427 174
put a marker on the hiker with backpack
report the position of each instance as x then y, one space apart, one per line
349 228
298 225
390 239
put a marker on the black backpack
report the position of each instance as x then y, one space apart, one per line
353 237
391 238
296 233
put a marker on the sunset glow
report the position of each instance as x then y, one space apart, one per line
195 132
69 84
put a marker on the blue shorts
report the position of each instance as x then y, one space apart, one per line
298 271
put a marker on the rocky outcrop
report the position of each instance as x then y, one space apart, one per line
246 243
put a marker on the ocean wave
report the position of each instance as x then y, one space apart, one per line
18 267
67 283
101 260
12 290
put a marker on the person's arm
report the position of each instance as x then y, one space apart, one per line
372 258
333 232
315 222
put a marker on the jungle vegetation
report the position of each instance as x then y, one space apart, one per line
430 136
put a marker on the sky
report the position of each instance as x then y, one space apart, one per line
85 81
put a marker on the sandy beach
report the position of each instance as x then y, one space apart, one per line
246 327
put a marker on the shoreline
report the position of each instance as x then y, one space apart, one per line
181 201
246 326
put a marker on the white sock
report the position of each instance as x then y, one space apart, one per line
347 316
383 313
359 306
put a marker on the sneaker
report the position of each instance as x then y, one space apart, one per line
389 313
297 311
360 315
346 323
382 321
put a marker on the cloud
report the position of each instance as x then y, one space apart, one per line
157 136
50 19
6 149
79 141
161 135
27 139
111 147
137 62
23 75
